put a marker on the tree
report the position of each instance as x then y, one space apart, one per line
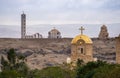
88 70
11 56
79 62
9 74
4 63
108 71
51 72
13 64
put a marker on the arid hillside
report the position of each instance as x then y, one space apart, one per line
40 53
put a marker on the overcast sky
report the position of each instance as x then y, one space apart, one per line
60 11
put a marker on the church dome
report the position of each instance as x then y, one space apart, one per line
85 38
54 31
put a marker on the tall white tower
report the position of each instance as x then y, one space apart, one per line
23 25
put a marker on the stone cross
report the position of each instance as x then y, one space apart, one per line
81 29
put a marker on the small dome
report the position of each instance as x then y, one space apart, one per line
55 30
85 38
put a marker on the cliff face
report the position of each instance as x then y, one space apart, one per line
49 52
104 49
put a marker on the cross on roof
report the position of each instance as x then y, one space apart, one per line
81 29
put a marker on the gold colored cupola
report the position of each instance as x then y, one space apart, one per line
81 48
81 37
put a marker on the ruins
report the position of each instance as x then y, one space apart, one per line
103 33
23 29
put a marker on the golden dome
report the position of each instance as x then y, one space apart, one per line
85 38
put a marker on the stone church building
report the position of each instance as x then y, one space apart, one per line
81 48
54 33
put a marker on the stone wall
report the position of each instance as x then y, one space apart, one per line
118 50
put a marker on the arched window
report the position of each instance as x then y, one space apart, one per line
81 50
58 33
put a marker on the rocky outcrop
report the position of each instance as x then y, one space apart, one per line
103 33
104 49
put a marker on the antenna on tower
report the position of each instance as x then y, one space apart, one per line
23 12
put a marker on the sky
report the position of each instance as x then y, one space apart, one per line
92 14
60 11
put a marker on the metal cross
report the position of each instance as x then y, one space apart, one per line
81 29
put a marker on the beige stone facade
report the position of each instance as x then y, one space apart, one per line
81 48
54 34
23 25
118 50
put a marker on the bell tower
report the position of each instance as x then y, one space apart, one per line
23 25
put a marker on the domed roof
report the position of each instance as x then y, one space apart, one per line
85 38
54 30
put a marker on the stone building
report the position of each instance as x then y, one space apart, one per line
81 48
23 29
54 33
23 25
118 49
103 33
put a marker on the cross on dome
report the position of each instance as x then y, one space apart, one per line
81 29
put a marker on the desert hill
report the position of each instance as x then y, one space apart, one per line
40 53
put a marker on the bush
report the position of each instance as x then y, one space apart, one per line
13 65
108 71
9 74
51 72
98 69
88 70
